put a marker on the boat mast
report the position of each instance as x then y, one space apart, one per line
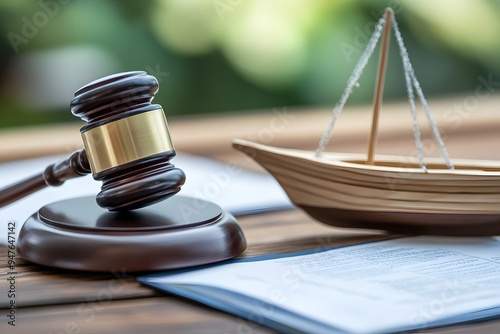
379 87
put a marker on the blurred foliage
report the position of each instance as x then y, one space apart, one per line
229 55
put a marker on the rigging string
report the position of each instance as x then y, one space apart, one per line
411 82
351 83
409 72
411 96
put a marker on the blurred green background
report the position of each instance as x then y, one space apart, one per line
214 56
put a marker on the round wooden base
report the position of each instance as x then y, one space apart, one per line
179 232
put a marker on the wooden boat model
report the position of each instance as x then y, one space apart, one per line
341 189
387 192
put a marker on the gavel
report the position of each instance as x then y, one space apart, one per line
127 146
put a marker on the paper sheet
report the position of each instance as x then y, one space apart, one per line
235 189
379 287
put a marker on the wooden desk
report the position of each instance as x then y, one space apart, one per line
57 301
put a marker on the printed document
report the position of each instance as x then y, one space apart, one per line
379 287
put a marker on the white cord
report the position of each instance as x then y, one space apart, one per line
411 78
411 82
351 83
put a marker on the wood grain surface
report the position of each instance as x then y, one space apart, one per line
58 301
467 132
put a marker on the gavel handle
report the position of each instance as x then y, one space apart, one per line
74 165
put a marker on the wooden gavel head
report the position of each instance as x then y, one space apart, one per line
127 141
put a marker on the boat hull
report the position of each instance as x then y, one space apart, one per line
409 222
394 195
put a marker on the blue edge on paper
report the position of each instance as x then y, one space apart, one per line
258 313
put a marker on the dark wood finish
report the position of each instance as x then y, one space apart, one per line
74 165
181 232
466 225
114 97
138 183
130 186
21 189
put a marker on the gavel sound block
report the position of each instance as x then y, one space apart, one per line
135 223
